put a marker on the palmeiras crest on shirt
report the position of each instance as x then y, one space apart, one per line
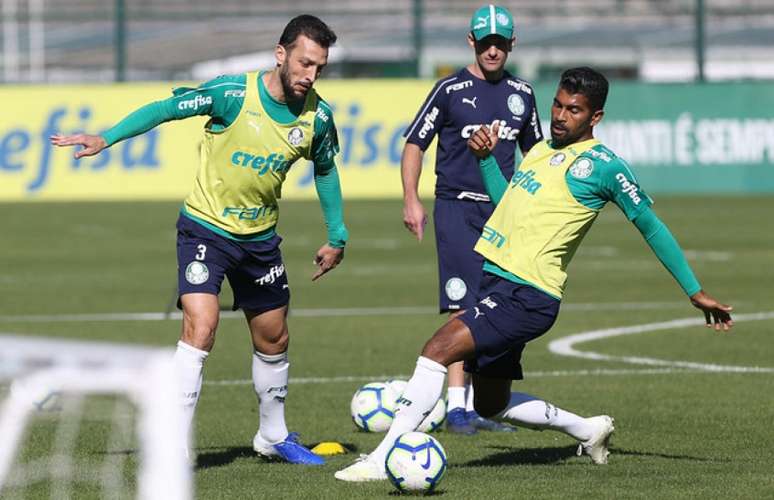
516 104
557 159
295 136
582 168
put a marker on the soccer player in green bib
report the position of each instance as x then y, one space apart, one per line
540 218
260 124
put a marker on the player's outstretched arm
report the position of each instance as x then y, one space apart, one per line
92 144
327 258
716 315
414 215
668 251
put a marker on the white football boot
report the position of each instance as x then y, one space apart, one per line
362 470
596 446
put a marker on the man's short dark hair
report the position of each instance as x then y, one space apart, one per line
586 81
309 26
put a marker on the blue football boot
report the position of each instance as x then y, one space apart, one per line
457 422
290 450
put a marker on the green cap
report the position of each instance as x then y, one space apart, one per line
491 20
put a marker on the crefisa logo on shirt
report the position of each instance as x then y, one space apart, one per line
295 136
428 122
506 132
526 181
628 188
194 103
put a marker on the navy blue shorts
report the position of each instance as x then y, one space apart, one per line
507 317
254 269
458 225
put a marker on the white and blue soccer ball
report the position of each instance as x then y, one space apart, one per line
397 385
373 407
434 420
416 463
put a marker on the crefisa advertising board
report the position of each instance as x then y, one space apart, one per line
678 138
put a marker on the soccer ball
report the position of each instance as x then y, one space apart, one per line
373 407
434 419
416 462
397 385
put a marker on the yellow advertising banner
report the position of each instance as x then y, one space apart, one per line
371 116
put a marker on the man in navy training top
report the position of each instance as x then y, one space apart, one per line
481 93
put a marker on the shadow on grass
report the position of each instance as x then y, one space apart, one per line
218 457
207 458
634 453
546 456
512 456
399 494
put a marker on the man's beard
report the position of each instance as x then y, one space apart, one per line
567 139
287 86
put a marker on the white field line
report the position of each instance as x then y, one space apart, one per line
565 346
322 312
602 372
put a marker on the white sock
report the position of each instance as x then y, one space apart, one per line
270 381
456 397
529 411
422 392
469 406
189 365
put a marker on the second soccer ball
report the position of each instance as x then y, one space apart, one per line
373 407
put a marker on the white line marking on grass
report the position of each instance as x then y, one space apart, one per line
708 255
322 312
601 372
565 345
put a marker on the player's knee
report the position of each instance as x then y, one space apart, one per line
200 335
490 395
488 407
279 344
434 349
452 342
271 340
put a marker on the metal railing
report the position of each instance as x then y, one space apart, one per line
104 40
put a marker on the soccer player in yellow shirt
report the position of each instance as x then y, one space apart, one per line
260 124
540 219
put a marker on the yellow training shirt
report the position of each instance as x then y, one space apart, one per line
243 166
538 224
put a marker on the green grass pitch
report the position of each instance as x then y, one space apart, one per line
680 433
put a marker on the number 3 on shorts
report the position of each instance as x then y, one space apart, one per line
202 250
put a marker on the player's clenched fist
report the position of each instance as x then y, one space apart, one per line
484 140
